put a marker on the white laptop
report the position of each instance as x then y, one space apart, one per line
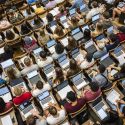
7 63
64 41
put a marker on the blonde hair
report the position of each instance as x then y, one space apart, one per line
17 91
27 61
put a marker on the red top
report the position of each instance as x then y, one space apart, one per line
89 95
20 99
71 109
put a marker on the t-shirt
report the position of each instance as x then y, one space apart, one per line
71 109
20 99
51 4
55 120
41 122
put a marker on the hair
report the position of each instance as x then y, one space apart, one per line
99 26
94 4
123 68
59 48
2 104
28 10
49 17
71 96
89 57
31 120
10 35
59 74
42 33
102 68
27 61
39 85
61 9
52 110
121 29
59 31
71 42
106 15
123 110
38 4
24 28
11 73
43 54
94 86
74 20
17 91
73 65
37 21
1 70
87 33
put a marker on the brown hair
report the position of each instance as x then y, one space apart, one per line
18 91
59 31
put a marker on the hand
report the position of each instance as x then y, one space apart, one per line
34 112
50 104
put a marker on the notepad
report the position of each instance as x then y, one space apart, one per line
6 120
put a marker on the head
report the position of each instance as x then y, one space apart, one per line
94 4
52 111
10 35
24 28
123 68
73 64
89 57
27 40
49 17
99 26
59 72
94 86
74 20
2 104
39 85
37 21
87 33
61 9
71 96
43 54
59 48
11 73
59 31
27 61
1 70
102 68
71 42
28 11
121 29
11 11
17 91
106 15
113 37
31 120
38 4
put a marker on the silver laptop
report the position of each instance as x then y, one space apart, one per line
51 46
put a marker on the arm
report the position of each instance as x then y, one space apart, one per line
118 110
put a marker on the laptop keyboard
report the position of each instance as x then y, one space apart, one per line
48 71
107 62
27 109
91 49
35 79
46 100
79 82
99 106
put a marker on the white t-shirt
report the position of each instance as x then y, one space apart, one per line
54 120
86 64
41 122
44 63
36 92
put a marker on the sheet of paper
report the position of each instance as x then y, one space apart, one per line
102 114
6 120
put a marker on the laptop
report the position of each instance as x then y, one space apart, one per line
2 50
100 108
113 96
63 20
76 54
45 98
121 4
64 41
110 30
5 94
37 51
33 77
51 46
49 70
106 60
100 37
63 61
95 18
79 81
83 8
77 34
118 51
63 89
90 47
53 25
25 109
85 27
72 12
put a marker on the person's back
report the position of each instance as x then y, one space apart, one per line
51 4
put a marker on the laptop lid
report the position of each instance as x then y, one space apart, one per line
75 51
63 19
75 31
51 43
100 37
95 17
32 74
7 63
72 11
118 51
110 30
3 91
83 7
77 77
62 58
43 95
48 67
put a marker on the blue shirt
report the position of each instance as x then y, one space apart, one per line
31 1
77 4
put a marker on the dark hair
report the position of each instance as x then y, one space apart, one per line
73 64
123 68
106 15
94 4
59 74
37 21
1 70
61 9
2 105
31 120
87 33
71 43
113 37
43 54
59 48
28 11
52 110
121 29
94 86
123 110
49 17
89 57
10 35
71 96
24 29
39 84
102 68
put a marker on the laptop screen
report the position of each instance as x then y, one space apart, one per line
63 18
72 11
7 63
82 7
75 51
37 51
73 32
4 90
96 17
110 29
32 74
51 43
62 58
77 77
100 37
24 105
43 95
62 85
85 27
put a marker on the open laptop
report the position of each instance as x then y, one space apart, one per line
53 25
110 30
51 46
63 20
33 77
100 37
2 50
90 47
83 8
95 18
5 94
45 98
64 41
77 34
100 109
63 61
72 12
49 70
85 27
106 60
63 89
113 96
25 109
79 81
37 51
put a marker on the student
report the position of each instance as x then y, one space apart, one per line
35 119
59 50
121 34
5 107
25 29
49 17
39 88
44 59
77 3
73 68
51 4
21 96
29 66
92 93
56 114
